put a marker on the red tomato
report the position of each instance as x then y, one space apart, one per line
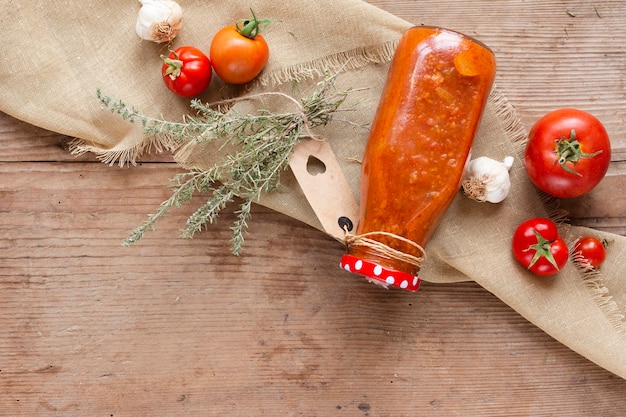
589 251
238 52
538 246
187 71
568 153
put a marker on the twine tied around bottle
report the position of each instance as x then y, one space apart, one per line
366 240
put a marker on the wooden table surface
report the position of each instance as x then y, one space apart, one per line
180 327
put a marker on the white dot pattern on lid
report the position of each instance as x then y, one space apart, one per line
388 276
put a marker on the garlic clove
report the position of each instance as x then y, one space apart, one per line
508 162
487 179
159 20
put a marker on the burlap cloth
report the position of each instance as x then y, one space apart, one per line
55 56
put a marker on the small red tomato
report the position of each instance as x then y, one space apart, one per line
538 246
589 251
238 52
568 153
186 71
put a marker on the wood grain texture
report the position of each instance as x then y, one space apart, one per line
179 327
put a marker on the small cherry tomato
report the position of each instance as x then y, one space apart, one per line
186 71
568 153
538 246
589 251
238 52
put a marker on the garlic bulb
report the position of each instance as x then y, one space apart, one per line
159 20
487 179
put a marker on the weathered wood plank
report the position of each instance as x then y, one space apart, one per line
185 325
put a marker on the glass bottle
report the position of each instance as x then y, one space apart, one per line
436 91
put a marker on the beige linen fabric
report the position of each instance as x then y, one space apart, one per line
55 57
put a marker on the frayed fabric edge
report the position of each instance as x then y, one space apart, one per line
121 155
592 278
342 61
511 122
519 137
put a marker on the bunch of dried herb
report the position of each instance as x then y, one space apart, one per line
258 146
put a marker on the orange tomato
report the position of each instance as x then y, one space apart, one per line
238 52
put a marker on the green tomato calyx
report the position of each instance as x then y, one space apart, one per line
174 66
249 28
568 150
542 249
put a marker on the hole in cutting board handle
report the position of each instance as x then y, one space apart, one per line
315 166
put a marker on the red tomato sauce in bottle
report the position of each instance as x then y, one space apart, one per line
436 91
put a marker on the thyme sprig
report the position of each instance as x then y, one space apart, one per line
256 147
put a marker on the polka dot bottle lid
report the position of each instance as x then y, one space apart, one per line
380 274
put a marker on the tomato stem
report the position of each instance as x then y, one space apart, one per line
174 66
568 150
252 27
541 248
